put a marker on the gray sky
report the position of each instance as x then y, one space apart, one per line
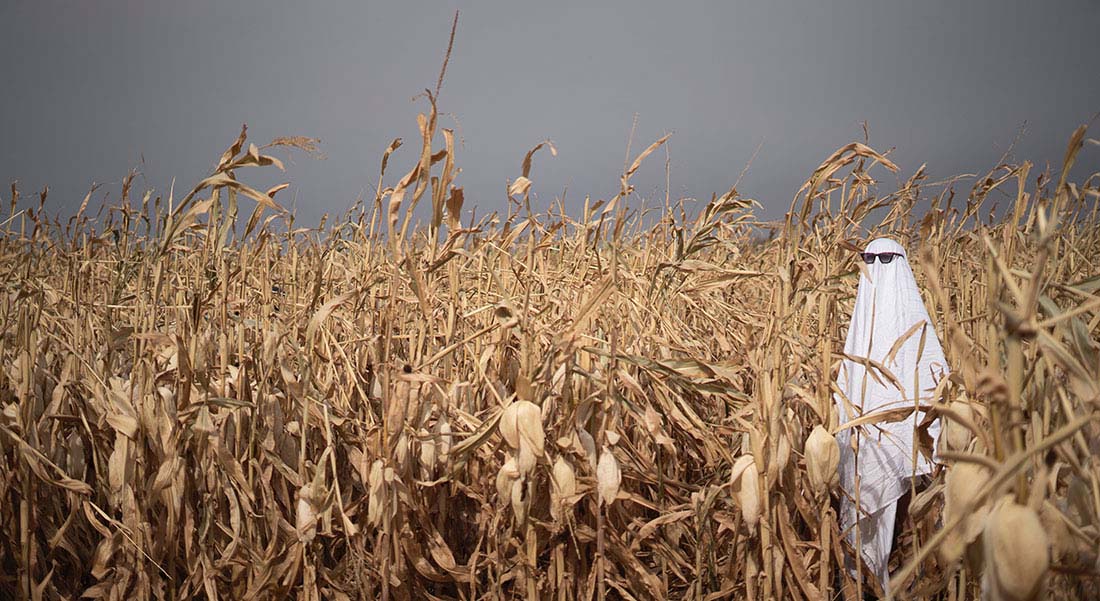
91 88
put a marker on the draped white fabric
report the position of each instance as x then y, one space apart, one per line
888 306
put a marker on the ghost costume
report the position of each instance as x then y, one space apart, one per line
887 306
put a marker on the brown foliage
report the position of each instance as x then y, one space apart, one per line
523 406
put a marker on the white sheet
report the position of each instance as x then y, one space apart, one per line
886 307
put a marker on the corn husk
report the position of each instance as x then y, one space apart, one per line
564 485
608 477
963 483
745 486
822 458
1016 552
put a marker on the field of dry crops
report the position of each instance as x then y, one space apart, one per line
201 399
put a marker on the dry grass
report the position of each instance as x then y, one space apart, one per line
200 405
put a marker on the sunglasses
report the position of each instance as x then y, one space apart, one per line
886 258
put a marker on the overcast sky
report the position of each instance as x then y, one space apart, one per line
91 89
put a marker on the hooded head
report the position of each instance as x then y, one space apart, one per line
878 270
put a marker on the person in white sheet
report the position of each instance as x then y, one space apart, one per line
888 307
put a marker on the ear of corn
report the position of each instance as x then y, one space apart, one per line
608 477
822 459
1016 554
963 484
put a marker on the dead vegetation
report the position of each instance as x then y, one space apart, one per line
200 402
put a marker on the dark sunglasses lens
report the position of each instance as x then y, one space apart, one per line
886 257
868 258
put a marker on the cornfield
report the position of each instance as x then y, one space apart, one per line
200 398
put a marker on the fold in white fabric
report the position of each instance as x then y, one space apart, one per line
888 306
